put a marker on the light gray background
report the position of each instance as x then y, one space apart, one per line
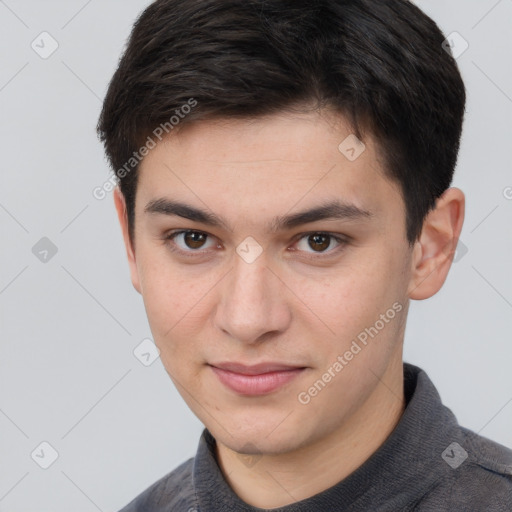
68 375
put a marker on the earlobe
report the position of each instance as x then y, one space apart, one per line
434 250
120 205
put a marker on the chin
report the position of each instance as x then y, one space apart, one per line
261 438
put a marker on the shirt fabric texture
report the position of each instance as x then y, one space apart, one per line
429 463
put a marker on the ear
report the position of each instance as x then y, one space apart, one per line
120 204
434 250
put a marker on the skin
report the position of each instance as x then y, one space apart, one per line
283 307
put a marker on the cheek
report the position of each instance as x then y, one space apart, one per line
364 308
350 300
165 295
176 303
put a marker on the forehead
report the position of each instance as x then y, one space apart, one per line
269 164
312 137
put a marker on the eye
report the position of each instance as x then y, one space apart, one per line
193 243
319 242
187 241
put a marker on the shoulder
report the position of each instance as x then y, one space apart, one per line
479 477
172 492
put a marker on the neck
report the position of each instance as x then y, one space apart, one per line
279 480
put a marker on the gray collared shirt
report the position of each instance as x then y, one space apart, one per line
428 463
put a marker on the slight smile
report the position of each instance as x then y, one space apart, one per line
255 380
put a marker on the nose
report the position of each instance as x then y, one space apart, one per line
253 304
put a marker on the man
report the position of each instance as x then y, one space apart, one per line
284 191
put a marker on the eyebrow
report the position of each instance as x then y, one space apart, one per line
335 210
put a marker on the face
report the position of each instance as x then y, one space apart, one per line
274 324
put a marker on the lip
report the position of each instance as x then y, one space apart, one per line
253 380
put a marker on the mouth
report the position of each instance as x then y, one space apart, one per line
254 380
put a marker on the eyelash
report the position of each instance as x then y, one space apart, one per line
169 239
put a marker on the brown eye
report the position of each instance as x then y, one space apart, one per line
319 241
188 242
194 239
